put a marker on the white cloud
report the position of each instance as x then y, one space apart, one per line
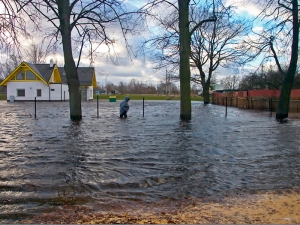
135 69
245 7
127 68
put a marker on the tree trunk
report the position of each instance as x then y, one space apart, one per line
284 98
184 70
206 94
70 67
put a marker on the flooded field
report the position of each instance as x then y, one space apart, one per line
49 161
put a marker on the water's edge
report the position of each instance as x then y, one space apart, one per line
49 162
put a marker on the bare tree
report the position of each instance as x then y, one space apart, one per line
270 79
80 25
36 53
279 40
230 82
110 87
182 29
253 81
171 87
135 87
217 44
12 26
12 62
122 88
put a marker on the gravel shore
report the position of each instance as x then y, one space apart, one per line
281 207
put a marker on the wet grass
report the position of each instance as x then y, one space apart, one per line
2 96
147 97
136 97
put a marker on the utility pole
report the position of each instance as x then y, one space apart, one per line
106 83
170 83
166 81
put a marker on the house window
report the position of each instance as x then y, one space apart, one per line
20 76
21 92
30 75
39 92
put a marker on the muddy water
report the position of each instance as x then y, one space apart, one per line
50 161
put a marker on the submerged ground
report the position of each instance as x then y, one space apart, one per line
153 167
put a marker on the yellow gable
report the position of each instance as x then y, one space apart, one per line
94 82
23 73
55 77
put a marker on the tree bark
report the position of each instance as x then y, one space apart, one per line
206 94
284 98
70 67
184 68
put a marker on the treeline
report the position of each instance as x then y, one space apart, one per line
138 87
269 80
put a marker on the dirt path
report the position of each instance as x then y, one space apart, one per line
265 208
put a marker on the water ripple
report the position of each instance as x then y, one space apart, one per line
51 161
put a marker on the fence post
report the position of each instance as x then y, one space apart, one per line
143 106
34 107
271 106
226 107
97 106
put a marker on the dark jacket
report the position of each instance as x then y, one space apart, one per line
124 105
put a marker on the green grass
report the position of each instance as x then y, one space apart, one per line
2 96
136 97
147 97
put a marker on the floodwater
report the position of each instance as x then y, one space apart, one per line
49 161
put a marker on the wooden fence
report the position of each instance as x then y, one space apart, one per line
256 99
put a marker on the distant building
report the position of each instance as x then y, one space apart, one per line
217 87
46 82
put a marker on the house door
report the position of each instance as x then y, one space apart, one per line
83 94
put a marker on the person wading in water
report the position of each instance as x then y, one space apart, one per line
124 107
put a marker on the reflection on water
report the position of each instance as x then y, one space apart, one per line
48 162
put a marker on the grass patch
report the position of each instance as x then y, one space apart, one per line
2 96
135 97
147 97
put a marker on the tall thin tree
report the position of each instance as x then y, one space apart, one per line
284 99
183 30
279 40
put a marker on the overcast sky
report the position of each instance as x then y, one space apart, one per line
141 68
127 68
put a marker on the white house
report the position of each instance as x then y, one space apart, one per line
46 82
